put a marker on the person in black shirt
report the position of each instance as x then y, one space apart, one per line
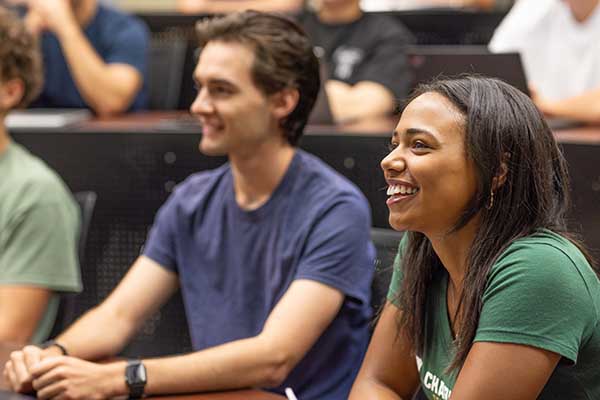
365 57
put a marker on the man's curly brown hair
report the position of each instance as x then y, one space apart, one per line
19 56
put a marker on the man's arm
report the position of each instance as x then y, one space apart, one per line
229 6
296 322
108 88
364 100
389 370
21 308
103 331
584 108
145 287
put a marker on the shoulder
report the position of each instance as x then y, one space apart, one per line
524 19
545 261
34 186
38 181
117 23
385 27
196 188
319 183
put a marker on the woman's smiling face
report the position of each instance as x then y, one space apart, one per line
431 181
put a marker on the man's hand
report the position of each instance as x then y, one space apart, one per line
17 368
72 378
55 15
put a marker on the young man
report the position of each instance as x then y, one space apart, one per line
365 56
95 56
271 251
38 218
558 40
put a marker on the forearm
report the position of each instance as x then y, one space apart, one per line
585 107
244 363
98 334
361 101
106 88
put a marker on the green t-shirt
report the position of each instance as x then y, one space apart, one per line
541 293
39 224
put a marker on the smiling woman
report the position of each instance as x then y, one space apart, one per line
491 296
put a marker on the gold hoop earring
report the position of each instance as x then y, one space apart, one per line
491 202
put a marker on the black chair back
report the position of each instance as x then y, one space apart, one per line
67 312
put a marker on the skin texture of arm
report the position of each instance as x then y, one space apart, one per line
21 308
227 6
389 370
106 88
585 107
492 370
293 326
364 100
496 371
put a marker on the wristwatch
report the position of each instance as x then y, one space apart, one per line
135 378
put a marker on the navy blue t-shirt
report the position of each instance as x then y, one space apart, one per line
116 37
235 265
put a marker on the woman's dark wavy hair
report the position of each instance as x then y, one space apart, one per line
501 125
283 58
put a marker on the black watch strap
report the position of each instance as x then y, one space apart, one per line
50 343
135 378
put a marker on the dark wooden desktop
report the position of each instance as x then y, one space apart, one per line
6 349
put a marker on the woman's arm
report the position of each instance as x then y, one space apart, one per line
504 371
389 371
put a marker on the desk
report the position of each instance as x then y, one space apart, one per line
5 350
133 163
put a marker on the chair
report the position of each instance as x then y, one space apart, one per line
165 72
386 245
66 309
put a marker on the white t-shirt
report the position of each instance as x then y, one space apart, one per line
561 56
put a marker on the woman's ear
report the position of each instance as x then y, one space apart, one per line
11 93
502 173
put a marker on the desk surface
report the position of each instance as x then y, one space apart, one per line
182 122
5 350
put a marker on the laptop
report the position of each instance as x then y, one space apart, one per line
46 118
429 62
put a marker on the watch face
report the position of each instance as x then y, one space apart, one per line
141 373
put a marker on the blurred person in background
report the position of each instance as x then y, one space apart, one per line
39 219
389 5
365 58
94 55
558 40
228 6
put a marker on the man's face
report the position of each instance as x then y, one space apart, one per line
236 116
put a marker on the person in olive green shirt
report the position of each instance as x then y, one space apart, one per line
39 219
492 297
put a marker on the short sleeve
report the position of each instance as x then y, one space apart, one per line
396 281
160 244
41 248
130 45
536 296
339 252
387 63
